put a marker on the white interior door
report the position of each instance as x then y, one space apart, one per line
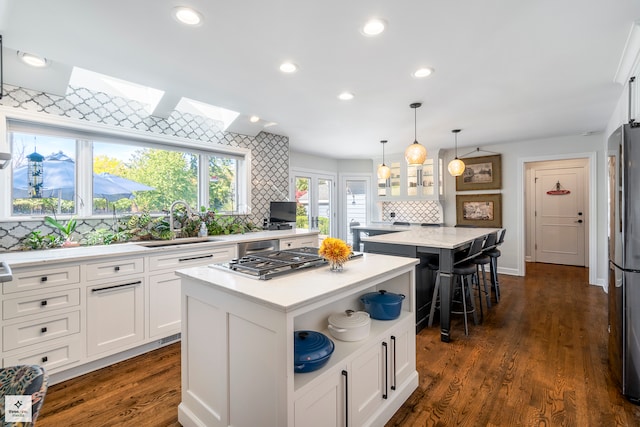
560 218
315 197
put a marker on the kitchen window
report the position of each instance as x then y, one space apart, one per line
67 171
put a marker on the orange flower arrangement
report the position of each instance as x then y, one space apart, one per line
334 250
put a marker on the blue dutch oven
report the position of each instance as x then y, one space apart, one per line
382 305
311 349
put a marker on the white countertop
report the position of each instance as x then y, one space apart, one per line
292 291
434 237
84 253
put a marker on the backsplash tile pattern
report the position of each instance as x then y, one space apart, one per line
415 211
270 152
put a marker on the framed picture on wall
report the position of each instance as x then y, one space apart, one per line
479 210
481 173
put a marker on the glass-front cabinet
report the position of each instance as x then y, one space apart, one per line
409 182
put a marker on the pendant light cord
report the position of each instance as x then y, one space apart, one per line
415 125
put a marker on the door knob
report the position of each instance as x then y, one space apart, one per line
579 221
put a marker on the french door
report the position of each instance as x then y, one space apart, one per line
316 201
354 201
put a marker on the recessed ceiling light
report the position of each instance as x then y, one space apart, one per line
346 96
187 16
423 72
254 119
288 67
33 60
373 27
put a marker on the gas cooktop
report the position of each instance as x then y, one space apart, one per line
268 264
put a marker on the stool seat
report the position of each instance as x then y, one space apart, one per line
495 253
464 268
481 259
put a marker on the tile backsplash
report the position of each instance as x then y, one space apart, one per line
270 152
414 211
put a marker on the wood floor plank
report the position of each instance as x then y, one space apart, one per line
538 359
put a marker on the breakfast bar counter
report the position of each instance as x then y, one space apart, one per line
424 241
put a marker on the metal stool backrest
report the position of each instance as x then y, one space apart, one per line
491 241
429 224
501 239
476 247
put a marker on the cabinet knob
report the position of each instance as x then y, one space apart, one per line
43 330
117 268
43 303
45 359
43 279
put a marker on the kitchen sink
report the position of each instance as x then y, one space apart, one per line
178 241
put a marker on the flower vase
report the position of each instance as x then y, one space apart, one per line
336 266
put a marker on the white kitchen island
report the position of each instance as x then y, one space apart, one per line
237 347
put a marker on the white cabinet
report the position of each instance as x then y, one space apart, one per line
164 287
325 404
412 182
41 317
378 370
115 315
300 242
247 358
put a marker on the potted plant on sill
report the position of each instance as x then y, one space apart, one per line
65 229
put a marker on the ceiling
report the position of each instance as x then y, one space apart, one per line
504 70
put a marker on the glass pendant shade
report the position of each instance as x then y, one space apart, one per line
384 172
415 154
456 167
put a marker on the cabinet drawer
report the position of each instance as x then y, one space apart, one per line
178 260
26 280
41 330
41 303
115 268
311 242
51 357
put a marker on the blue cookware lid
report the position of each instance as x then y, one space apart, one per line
310 346
382 297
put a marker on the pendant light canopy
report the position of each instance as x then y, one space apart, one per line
383 170
456 166
415 154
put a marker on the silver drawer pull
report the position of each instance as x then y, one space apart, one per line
195 257
115 287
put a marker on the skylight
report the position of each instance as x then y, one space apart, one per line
220 114
115 87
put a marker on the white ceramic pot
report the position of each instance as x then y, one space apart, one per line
350 325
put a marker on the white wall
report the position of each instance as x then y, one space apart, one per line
513 157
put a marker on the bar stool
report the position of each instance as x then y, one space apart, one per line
480 261
465 270
494 253
401 223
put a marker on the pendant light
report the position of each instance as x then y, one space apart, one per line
383 170
456 166
415 154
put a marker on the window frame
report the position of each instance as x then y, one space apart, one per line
79 129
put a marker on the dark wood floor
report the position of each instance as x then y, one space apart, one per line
538 359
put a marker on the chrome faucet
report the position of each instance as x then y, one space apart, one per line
172 229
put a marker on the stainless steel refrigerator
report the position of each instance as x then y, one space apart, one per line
624 259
